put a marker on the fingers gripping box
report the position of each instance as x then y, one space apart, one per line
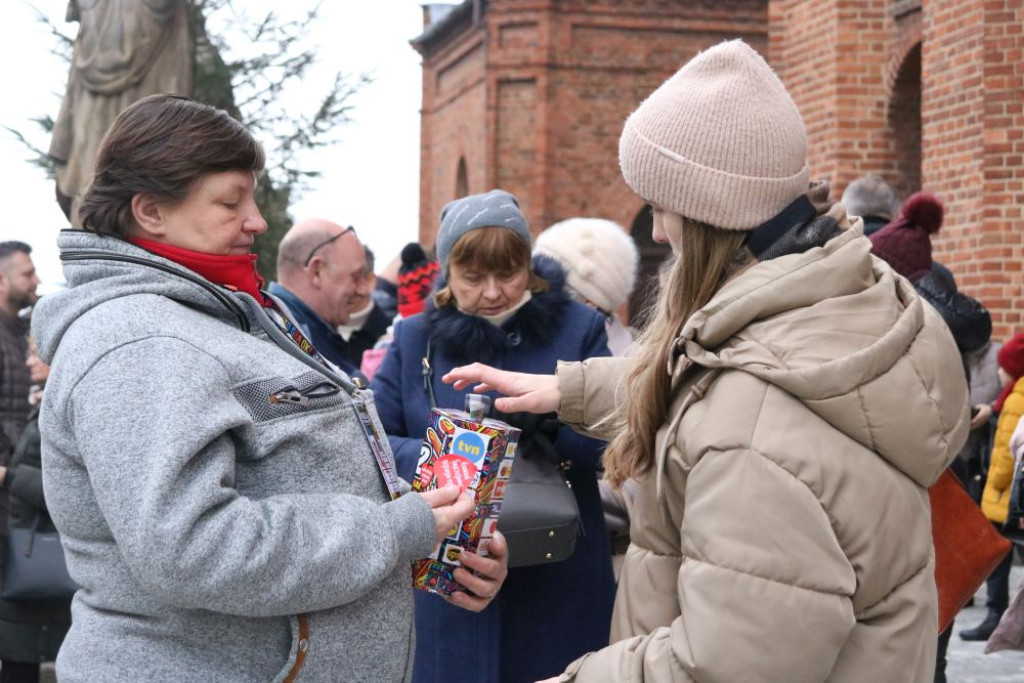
476 455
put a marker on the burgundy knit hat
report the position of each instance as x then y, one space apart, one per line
415 280
1011 356
1011 360
905 243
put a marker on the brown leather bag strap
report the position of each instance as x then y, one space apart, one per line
303 646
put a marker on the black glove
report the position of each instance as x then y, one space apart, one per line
539 433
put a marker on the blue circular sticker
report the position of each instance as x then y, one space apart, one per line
468 445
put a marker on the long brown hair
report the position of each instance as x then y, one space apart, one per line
709 256
161 146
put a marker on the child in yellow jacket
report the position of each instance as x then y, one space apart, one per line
995 501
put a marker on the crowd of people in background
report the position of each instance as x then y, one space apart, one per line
210 449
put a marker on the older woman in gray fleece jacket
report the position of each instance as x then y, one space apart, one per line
218 495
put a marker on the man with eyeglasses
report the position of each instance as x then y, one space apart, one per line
322 278
368 322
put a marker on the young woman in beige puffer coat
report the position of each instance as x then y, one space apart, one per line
791 403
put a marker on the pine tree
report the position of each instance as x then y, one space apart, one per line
249 70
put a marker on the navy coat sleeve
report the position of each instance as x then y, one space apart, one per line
388 390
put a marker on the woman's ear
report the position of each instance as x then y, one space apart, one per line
148 214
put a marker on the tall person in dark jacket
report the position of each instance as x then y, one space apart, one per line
322 278
367 322
874 200
18 282
906 245
31 631
497 308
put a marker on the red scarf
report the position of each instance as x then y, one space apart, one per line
234 271
997 407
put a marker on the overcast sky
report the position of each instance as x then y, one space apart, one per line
370 179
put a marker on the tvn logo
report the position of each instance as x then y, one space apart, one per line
470 445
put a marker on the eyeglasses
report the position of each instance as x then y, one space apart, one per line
324 244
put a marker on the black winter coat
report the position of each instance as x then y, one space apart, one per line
14 380
367 336
30 631
966 318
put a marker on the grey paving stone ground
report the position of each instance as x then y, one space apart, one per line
968 662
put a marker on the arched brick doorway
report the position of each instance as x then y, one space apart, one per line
905 123
652 256
461 179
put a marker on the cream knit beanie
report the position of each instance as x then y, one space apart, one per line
599 259
720 142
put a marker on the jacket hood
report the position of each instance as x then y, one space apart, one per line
102 268
838 329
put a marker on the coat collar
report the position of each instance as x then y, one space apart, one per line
467 338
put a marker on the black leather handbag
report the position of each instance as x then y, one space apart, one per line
34 566
539 517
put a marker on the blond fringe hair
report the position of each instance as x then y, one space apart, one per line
709 256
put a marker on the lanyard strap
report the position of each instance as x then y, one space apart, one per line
362 401
293 331
428 376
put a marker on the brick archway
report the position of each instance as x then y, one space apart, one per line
903 119
461 179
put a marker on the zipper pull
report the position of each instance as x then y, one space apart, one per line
289 396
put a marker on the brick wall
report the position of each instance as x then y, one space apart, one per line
607 57
1002 142
557 80
927 93
973 143
838 59
453 127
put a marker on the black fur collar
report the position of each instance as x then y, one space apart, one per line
468 338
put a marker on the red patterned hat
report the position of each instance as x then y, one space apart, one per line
416 278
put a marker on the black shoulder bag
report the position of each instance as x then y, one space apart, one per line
34 566
540 517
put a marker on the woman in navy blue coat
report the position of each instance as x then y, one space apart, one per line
500 309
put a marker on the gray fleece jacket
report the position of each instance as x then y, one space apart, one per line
217 535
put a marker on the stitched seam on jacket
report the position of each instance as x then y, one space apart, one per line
750 448
824 510
913 575
768 578
645 549
945 429
74 386
867 422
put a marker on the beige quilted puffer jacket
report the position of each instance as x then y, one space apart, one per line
784 532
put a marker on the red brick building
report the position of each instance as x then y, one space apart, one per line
530 96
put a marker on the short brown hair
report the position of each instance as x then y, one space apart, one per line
161 146
490 250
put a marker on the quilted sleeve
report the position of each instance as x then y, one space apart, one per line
764 590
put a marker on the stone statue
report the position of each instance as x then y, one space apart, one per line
125 50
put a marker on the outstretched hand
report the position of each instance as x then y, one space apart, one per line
523 393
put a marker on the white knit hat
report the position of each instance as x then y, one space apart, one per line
599 258
720 142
